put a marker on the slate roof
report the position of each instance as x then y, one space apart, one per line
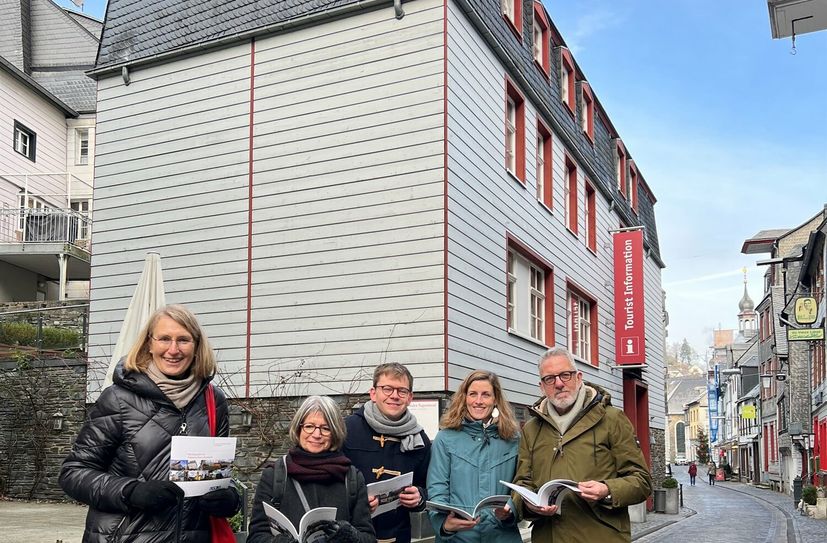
21 76
682 391
139 30
74 88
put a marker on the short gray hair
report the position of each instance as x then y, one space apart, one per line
557 351
329 409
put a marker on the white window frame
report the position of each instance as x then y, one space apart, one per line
81 150
82 207
541 166
508 10
511 135
578 318
526 297
25 141
564 82
537 45
23 203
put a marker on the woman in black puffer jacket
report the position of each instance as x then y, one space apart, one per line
120 462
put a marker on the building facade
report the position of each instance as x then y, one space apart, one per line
47 109
433 183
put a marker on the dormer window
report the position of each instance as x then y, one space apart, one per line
540 40
513 13
567 79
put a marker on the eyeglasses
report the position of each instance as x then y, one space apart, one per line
388 390
166 341
565 376
310 428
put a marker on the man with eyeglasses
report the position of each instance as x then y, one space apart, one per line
575 433
384 440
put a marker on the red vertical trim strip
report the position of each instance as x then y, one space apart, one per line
445 187
250 217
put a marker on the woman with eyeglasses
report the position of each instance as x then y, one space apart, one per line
120 462
314 473
475 449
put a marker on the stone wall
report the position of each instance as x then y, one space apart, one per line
657 450
31 450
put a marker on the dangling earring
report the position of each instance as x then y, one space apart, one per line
495 413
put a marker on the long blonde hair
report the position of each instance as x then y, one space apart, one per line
203 364
507 425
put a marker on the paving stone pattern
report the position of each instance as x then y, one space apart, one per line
731 512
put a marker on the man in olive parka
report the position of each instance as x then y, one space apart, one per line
575 433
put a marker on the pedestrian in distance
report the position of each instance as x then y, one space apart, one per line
710 472
693 472
314 473
119 464
575 433
384 440
474 450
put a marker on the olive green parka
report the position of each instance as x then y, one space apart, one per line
600 445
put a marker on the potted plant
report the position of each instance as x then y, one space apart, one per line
670 485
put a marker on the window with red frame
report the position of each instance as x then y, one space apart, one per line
631 185
514 131
581 312
587 110
590 220
529 295
620 166
513 13
543 151
570 195
766 441
567 79
540 39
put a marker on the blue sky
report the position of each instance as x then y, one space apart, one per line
728 128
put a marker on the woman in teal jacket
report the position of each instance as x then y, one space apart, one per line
474 450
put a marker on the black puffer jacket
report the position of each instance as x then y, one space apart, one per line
127 438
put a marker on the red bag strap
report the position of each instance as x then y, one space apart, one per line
210 394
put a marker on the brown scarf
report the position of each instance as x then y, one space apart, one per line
324 467
179 391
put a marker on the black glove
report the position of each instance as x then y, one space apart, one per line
154 495
336 531
224 502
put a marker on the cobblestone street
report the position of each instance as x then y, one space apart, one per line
733 512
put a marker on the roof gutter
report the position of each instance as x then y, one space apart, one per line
292 24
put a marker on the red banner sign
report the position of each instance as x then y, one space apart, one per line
630 329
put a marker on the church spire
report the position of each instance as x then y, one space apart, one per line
746 316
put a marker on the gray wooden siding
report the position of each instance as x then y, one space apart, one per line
58 40
485 204
348 201
347 263
49 123
171 176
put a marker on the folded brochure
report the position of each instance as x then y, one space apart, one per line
280 524
551 493
491 502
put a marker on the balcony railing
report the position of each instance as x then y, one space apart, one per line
45 226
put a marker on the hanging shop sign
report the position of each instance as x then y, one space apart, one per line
630 345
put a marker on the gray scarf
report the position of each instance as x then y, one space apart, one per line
564 421
406 428
179 391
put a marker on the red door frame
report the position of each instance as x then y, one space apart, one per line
636 407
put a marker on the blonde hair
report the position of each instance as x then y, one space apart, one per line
329 409
507 425
203 364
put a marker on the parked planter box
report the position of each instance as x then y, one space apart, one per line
672 505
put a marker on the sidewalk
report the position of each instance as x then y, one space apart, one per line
40 522
805 529
656 521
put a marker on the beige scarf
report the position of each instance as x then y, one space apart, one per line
564 421
179 391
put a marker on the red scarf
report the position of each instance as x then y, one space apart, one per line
325 467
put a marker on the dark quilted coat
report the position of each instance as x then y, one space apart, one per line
127 438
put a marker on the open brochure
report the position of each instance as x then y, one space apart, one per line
551 493
388 492
491 502
280 524
201 464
